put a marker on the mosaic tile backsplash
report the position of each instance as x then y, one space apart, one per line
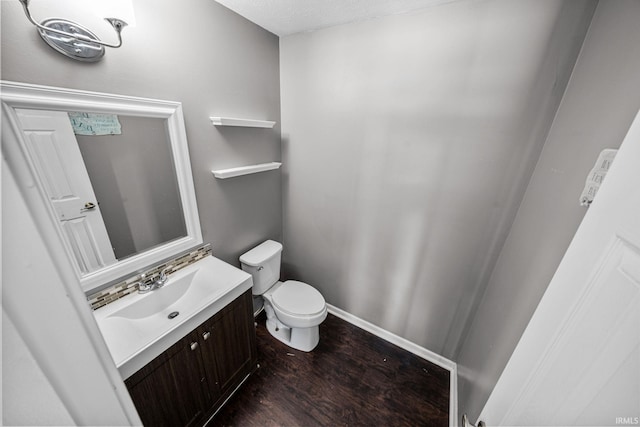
130 285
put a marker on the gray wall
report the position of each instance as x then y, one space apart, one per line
408 142
208 58
597 109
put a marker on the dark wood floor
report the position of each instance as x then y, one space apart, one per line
351 378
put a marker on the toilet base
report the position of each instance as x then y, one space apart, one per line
303 339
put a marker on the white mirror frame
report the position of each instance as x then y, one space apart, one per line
22 95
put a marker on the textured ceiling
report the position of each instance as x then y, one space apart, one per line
284 17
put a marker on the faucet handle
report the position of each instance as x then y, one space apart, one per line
163 273
162 277
143 287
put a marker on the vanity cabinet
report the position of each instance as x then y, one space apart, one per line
190 381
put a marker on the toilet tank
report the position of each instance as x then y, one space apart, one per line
263 263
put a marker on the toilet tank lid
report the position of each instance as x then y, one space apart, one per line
261 253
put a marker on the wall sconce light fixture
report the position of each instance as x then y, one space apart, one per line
74 40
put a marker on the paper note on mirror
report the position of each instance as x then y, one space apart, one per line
596 176
95 124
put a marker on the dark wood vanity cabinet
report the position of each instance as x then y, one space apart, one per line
168 391
188 383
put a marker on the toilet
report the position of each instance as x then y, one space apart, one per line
294 309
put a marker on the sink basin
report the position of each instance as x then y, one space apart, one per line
184 291
139 327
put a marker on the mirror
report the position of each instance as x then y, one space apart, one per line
112 176
133 177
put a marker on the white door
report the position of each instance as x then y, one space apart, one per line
56 156
578 361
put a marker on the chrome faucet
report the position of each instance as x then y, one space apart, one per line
162 279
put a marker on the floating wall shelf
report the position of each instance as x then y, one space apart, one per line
245 170
249 123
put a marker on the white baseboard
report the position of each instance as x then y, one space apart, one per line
412 348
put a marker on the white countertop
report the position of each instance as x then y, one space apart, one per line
137 327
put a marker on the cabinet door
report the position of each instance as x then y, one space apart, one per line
229 351
169 390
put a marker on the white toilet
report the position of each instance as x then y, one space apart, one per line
294 309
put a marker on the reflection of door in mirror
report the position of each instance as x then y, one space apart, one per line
58 162
129 177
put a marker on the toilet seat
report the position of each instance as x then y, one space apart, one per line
298 299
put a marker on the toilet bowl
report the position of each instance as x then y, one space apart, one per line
294 309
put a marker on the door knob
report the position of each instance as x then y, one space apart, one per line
194 345
206 335
88 206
